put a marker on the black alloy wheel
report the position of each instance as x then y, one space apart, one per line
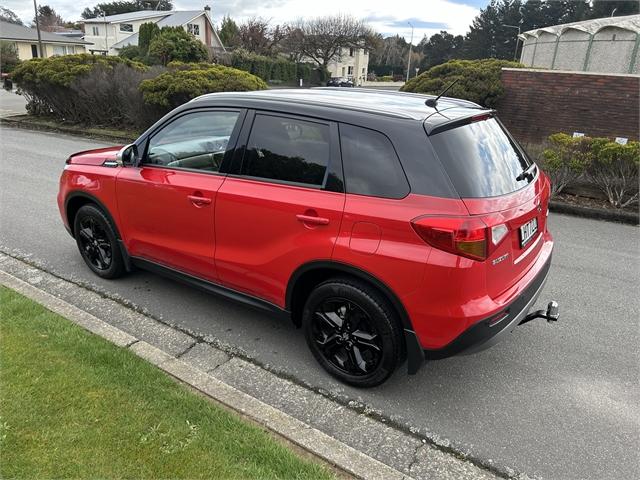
353 332
97 242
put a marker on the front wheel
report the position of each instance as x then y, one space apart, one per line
97 242
353 332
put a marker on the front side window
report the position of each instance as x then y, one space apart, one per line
350 71
196 140
287 149
371 166
126 27
95 31
193 28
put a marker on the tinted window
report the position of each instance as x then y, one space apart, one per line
480 159
287 149
371 166
197 140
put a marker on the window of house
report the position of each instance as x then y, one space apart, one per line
34 51
197 141
287 149
59 49
350 71
95 31
352 52
193 28
343 71
371 166
126 27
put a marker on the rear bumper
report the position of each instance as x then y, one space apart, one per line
483 334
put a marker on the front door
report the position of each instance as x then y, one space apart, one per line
166 204
282 207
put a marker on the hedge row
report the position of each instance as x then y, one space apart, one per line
609 166
113 91
276 69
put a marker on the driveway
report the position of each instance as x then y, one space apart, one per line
11 103
554 401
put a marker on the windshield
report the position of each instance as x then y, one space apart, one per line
481 160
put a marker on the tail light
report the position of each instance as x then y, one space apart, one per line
465 236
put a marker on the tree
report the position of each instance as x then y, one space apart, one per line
175 44
323 38
148 31
602 8
48 19
257 36
441 47
8 56
228 32
120 6
7 15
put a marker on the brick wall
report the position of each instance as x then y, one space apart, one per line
538 103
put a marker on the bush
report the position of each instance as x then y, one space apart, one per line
186 81
8 57
565 160
175 44
478 80
130 52
611 167
614 170
53 86
276 68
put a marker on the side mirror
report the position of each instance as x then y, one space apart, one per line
127 155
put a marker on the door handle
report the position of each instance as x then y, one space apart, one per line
312 219
199 201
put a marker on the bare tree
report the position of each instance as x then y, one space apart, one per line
256 35
322 38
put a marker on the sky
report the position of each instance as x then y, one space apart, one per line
389 17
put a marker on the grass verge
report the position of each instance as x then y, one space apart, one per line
74 405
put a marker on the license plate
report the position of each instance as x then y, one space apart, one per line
528 231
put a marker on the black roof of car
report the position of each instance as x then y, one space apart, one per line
381 102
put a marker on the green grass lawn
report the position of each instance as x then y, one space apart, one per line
74 405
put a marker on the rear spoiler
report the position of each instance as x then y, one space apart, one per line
472 116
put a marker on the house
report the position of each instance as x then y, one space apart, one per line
606 45
110 33
352 63
26 42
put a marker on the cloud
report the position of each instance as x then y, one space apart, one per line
387 17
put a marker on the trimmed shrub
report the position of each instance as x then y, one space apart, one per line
130 52
478 80
276 68
565 160
51 86
186 81
614 170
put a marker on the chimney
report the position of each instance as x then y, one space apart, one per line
207 9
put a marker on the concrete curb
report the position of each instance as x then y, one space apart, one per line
23 123
594 213
310 439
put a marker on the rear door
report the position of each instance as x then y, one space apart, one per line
496 180
166 204
281 205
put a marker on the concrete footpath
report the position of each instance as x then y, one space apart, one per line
346 436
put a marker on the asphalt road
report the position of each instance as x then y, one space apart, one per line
11 103
554 401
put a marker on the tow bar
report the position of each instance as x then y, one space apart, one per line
551 314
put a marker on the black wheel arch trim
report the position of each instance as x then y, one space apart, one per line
92 199
415 352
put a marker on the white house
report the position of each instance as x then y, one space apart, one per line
110 33
352 63
26 41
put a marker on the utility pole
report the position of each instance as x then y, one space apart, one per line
515 53
106 46
410 46
35 7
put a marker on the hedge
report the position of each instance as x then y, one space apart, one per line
276 69
607 165
184 81
114 91
478 80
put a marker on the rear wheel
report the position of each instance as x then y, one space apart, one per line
353 332
97 242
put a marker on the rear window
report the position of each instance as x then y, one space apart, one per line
481 160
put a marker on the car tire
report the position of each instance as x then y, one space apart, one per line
353 332
98 243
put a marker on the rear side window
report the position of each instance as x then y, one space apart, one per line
371 166
287 149
481 160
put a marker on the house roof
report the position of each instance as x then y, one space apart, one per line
11 31
627 22
123 17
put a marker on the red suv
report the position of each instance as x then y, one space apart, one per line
385 227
